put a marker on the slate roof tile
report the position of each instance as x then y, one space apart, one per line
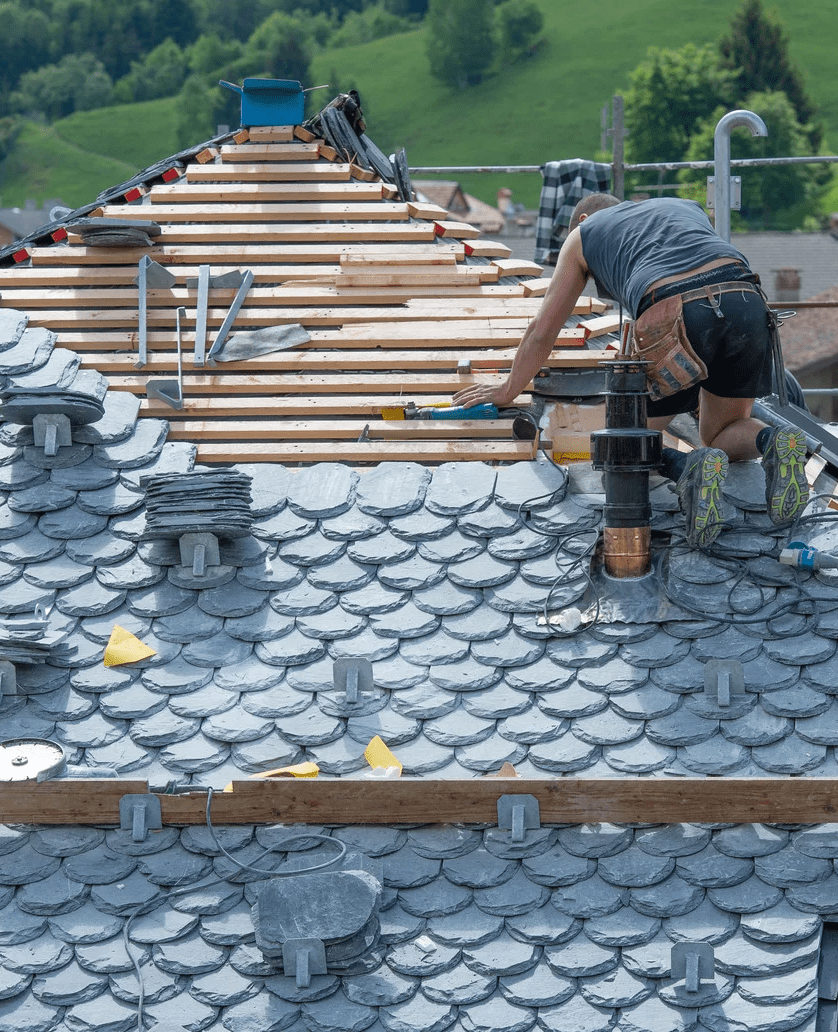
564 755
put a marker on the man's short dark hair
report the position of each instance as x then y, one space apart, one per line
588 205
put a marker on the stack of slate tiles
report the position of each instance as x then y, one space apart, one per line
215 500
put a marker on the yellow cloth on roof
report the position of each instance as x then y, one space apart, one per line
124 647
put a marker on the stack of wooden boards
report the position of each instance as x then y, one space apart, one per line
394 312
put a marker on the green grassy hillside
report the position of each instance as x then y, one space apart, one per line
545 108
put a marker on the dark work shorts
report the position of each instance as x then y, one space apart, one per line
735 348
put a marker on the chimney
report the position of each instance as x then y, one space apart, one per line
627 451
786 284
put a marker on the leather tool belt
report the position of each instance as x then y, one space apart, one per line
660 338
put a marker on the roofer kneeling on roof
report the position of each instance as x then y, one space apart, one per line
709 345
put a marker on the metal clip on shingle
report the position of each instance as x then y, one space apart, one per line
723 679
352 678
199 551
302 958
138 814
694 962
518 814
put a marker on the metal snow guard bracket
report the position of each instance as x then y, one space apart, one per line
352 678
302 958
139 814
694 962
52 430
170 391
517 814
199 551
723 679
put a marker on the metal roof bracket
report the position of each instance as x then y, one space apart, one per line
8 678
151 275
694 962
170 391
352 679
52 430
517 814
302 958
230 318
204 283
201 315
723 679
139 814
199 551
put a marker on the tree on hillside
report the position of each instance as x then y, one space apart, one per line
76 83
520 23
772 190
460 40
24 45
279 49
669 94
160 74
757 51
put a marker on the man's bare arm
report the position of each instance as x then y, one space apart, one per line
566 284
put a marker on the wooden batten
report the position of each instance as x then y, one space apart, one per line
423 801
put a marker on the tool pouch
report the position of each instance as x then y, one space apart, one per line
660 338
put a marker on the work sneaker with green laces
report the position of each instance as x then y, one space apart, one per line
786 489
700 491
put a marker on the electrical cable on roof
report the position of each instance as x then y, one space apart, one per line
277 874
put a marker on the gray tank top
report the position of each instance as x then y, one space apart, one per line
631 245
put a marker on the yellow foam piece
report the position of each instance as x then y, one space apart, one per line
378 755
392 413
124 647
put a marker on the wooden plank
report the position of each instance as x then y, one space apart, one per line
243 406
262 152
517 267
419 334
270 172
271 133
459 230
306 135
368 451
303 211
417 246
355 261
317 289
263 193
406 800
236 383
94 318
404 276
322 361
536 287
602 324
423 210
81 277
488 249
334 430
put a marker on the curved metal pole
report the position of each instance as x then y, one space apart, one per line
721 161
